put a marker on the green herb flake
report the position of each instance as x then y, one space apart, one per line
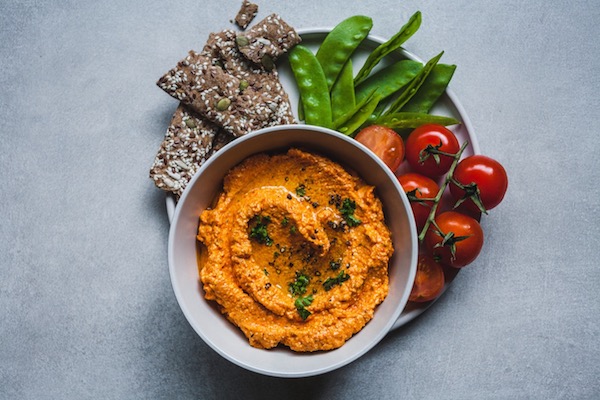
285 221
298 287
331 282
347 209
301 303
301 190
259 231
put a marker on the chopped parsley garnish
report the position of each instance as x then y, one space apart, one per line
298 287
301 190
259 231
285 221
331 282
347 210
301 303
293 230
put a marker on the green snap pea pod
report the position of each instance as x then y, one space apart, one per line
312 86
342 92
386 82
414 85
390 79
338 46
340 43
300 109
376 113
431 89
358 118
403 120
386 48
342 119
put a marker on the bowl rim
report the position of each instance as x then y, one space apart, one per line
255 135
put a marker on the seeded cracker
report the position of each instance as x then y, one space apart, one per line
223 50
246 14
224 99
267 40
187 145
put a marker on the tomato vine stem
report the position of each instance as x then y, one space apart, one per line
438 197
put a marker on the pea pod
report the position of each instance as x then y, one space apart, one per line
312 86
342 92
357 117
414 85
431 89
340 43
376 113
386 48
390 79
342 119
300 109
403 120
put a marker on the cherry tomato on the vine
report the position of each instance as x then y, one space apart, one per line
483 181
418 186
384 142
428 148
457 242
429 280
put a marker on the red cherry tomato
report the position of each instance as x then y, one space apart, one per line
458 241
485 181
384 142
418 186
429 281
423 146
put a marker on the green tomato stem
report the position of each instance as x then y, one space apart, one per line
438 197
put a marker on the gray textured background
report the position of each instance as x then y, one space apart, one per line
86 305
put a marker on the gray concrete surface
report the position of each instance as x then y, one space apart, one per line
86 306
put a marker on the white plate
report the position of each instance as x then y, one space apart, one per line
447 105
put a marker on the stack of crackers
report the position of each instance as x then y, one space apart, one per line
228 89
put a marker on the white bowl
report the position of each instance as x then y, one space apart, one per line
204 316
